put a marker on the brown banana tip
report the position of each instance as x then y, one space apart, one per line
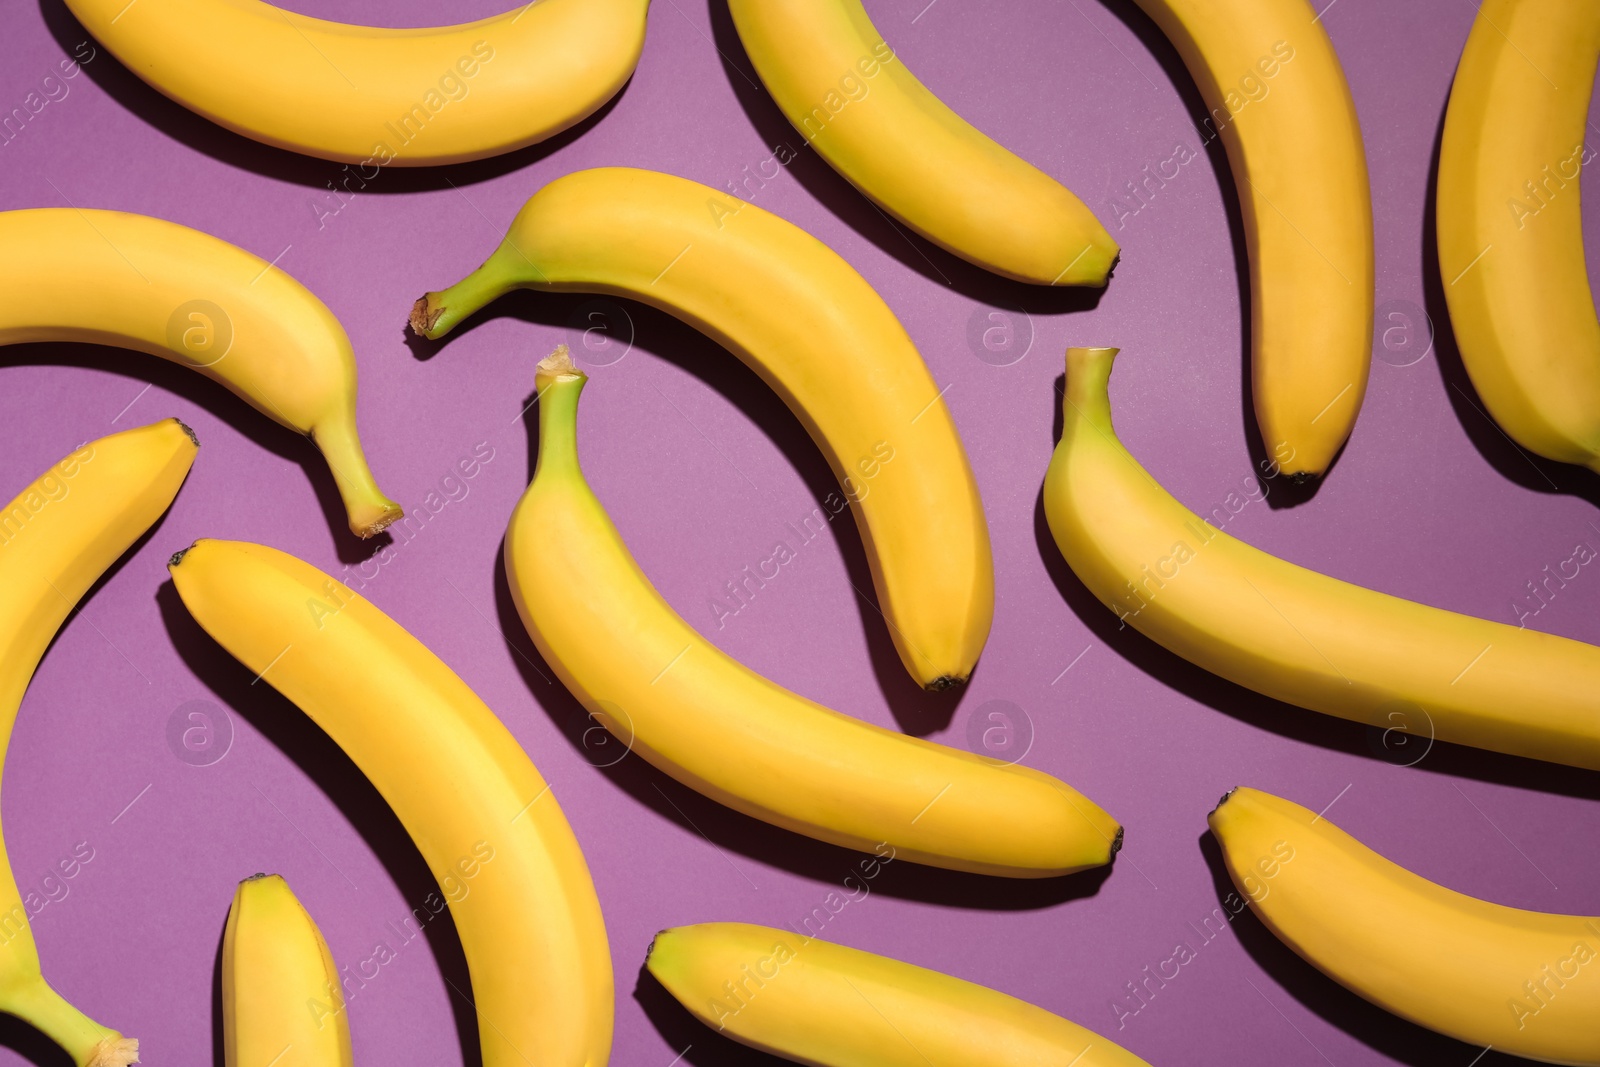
943 682
115 1051
424 316
186 428
254 877
177 557
390 515
1116 842
1222 801
1304 477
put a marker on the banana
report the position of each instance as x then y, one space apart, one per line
1292 633
372 96
798 314
282 1003
1479 972
813 1002
852 99
115 278
1278 98
1510 229
744 741
56 539
479 812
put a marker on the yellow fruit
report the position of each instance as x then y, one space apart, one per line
1278 99
813 328
1525 982
813 1002
114 278
373 96
742 740
1292 633
853 100
1510 229
479 812
282 1003
56 539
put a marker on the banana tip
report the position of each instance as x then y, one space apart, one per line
943 682
115 1051
1116 842
375 523
558 367
177 557
424 316
186 428
1222 800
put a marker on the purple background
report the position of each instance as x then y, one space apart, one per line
701 467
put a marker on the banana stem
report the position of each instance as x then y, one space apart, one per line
560 383
88 1043
436 314
368 509
1088 396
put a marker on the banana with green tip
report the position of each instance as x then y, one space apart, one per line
853 100
56 539
831 1006
1525 982
377 96
742 740
116 278
1510 225
483 818
282 1001
1294 634
802 318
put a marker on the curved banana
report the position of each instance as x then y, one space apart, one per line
56 539
282 1003
1278 98
720 728
813 1002
373 96
1510 228
495 839
115 278
801 317
1483 973
853 100
1292 633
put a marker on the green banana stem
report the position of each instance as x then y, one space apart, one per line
366 506
560 384
86 1041
1088 397
436 314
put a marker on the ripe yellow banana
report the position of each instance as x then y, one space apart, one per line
813 328
853 100
1510 228
115 278
56 539
724 730
1278 99
479 812
282 1003
1526 982
373 96
818 1003
1292 633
